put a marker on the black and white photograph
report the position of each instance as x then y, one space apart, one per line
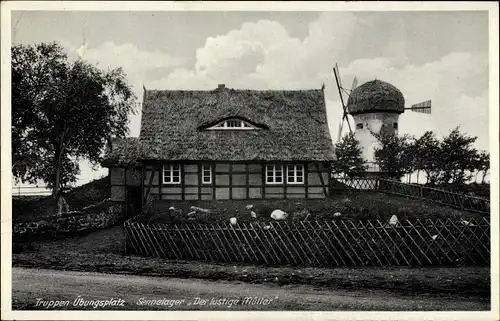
207 159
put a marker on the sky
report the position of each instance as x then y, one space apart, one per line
439 56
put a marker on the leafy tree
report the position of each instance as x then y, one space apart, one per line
482 164
458 158
427 156
394 155
62 112
349 160
409 155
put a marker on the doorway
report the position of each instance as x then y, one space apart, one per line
134 201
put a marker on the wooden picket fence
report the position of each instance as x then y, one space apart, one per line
457 200
339 242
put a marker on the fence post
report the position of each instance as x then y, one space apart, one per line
421 191
462 201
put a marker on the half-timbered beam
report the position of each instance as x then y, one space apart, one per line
200 173
160 181
230 181
148 188
214 180
284 177
306 179
321 179
264 181
247 180
183 183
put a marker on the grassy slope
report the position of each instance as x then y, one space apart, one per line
28 209
354 205
103 251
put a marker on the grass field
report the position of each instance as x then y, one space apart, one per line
351 205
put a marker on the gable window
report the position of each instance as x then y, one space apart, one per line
172 174
206 174
295 174
274 174
235 123
230 124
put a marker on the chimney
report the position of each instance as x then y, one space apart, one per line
221 86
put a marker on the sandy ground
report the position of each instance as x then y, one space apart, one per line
40 286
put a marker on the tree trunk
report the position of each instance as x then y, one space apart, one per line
427 177
57 181
484 175
57 194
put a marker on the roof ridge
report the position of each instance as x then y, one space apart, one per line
232 89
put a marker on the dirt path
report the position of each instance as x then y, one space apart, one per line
30 286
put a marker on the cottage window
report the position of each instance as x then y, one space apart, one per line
359 125
206 171
395 125
171 174
295 174
232 124
235 123
274 174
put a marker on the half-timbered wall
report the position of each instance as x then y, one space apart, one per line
120 178
125 184
234 181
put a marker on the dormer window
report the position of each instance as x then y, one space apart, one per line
230 124
235 124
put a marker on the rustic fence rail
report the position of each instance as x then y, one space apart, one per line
457 200
19 191
317 243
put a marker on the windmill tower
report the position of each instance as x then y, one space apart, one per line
375 107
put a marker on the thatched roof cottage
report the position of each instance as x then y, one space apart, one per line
225 144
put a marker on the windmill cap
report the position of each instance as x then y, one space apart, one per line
375 96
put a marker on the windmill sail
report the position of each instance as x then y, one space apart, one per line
338 75
423 107
340 88
354 83
339 135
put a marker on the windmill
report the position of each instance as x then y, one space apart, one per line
424 107
338 81
374 106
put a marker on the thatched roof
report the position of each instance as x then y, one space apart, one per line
292 125
375 96
124 152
